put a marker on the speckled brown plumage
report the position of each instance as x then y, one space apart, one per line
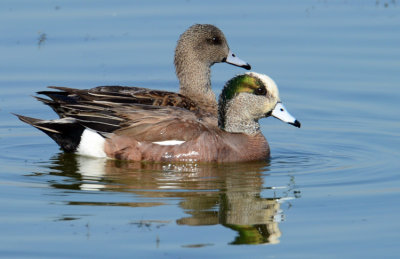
198 48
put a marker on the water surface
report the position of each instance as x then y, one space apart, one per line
329 190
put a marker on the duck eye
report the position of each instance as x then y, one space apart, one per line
261 91
215 40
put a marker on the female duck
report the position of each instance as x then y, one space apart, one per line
198 48
156 133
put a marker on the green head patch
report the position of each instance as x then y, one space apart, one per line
243 84
239 84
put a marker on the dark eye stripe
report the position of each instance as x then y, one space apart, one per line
261 91
215 40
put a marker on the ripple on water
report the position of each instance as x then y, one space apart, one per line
362 156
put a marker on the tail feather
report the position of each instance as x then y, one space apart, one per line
65 132
60 97
57 108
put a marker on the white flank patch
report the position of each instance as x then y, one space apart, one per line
92 144
169 142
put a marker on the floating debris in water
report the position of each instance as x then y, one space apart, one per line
42 39
386 4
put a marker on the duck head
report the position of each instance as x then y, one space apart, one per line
208 45
247 98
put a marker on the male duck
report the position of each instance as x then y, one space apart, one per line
198 48
165 133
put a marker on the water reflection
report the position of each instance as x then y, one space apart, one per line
232 195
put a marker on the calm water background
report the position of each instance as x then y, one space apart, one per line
330 190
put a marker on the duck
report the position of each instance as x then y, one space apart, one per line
141 132
198 48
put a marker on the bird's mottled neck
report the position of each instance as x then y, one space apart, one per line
195 82
236 120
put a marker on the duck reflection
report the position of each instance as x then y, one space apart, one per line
229 194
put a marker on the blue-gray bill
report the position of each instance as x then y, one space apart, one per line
233 60
281 113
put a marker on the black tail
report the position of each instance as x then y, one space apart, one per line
57 100
55 105
65 132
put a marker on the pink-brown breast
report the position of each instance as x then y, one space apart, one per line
207 147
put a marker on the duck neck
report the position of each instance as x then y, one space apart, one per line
236 120
195 82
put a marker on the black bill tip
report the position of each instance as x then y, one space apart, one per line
296 123
236 61
247 66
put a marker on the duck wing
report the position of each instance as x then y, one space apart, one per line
161 124
114 94
141 122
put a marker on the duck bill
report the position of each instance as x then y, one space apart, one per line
281 113
233 60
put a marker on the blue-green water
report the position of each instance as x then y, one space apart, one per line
330 190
